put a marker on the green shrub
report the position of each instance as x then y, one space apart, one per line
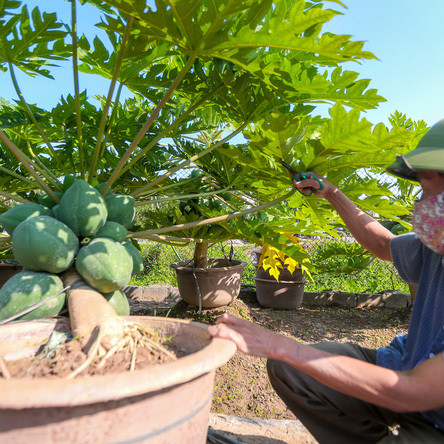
348 267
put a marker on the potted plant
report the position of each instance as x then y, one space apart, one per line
280 279
219 67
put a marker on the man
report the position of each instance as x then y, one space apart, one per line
344 393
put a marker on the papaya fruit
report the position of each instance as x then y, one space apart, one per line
137 258
11 218
28 288
119 302
104 264
112 230
83 209
47 200
121 209
43 243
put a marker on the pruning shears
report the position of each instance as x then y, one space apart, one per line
303 175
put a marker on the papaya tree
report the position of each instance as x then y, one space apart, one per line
198 75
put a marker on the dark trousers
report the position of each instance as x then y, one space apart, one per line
332 417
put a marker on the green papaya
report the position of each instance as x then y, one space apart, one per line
28 288
119 302
83 209
11 218
47 200
68 181
137 258
43 243
121 209
104 264
112 230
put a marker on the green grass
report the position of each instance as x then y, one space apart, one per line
376 277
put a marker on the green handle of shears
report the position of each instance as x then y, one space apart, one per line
304 175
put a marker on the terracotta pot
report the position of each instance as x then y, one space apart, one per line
279 294
218 285
160 404
7 271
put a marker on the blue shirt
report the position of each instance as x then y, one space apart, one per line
419 265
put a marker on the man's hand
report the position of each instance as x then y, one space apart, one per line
249 338
311 184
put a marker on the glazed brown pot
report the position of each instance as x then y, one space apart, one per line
285 293
219 284
279 294
166 403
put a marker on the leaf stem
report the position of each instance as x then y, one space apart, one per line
14 197
185 196
75 69
225 217
119 62
176 123
118 170
25 162
31 115
187 162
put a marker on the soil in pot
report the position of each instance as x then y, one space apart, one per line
211 287
60 360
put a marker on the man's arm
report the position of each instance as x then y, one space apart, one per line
367 231
407 391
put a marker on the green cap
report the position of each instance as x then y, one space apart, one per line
428 155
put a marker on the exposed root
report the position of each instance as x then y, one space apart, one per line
135 336
91 355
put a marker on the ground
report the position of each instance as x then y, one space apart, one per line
241 385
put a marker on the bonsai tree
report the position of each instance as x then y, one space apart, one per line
253 68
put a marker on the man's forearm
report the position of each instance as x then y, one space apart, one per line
397 391
366 230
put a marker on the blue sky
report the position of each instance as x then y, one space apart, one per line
407 36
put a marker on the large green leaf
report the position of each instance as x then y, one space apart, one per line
29 42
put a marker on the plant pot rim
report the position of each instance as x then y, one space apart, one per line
232 264
274 281
44 392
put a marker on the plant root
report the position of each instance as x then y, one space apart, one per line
134 336
91 354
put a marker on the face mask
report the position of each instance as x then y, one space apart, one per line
428 222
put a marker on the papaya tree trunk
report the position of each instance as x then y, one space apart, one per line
200 255
88 309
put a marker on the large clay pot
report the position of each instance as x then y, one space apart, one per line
167 403
279 294
219 284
